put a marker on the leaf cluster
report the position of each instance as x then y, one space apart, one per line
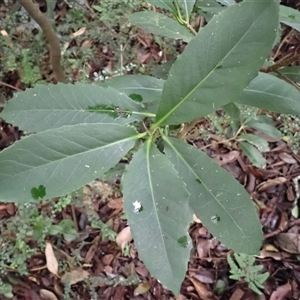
79 132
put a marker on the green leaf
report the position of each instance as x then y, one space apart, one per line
261 125
253 154
289 16
46 107
217 199
271 93
150 88
257 141
187 7
292 72
165 4
162 71
160 24
62 160
209 8
220 62
160 230
233 110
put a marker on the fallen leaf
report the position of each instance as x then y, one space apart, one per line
124 237
281 292
201 289
4 33
79 32
47 295
142 288
205 276
74 276
287 158
204 246
224 159
264 186
115 203
52 264
237 294
289 242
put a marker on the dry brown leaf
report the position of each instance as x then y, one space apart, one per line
264 186
204 276
124 237
92 250
281 292
4 33
142 288
289 242
52 264
287 158
74 276
47 295
201 289
224 159
79 32
107 259
204 246
237 294
115 203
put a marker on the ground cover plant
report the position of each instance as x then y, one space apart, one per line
79 132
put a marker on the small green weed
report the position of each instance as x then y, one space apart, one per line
243 268
290 129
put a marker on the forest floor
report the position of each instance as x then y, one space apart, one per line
96 46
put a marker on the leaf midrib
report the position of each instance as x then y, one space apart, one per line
71 156
207 76
153 200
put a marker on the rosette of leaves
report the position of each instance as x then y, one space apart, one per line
79 132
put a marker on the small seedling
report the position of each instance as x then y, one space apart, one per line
243 268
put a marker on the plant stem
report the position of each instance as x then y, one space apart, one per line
190 27
281 63
50 35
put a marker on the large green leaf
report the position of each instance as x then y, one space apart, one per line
165 4
156 204
187 7
45 107
160 24
150 88
62 160
209 8
289 16
221 203
271 93
292 72
219 62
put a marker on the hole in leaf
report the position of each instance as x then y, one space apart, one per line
137 207
183 241
39 192
215 219
136 97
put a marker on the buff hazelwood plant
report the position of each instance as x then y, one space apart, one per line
77 132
